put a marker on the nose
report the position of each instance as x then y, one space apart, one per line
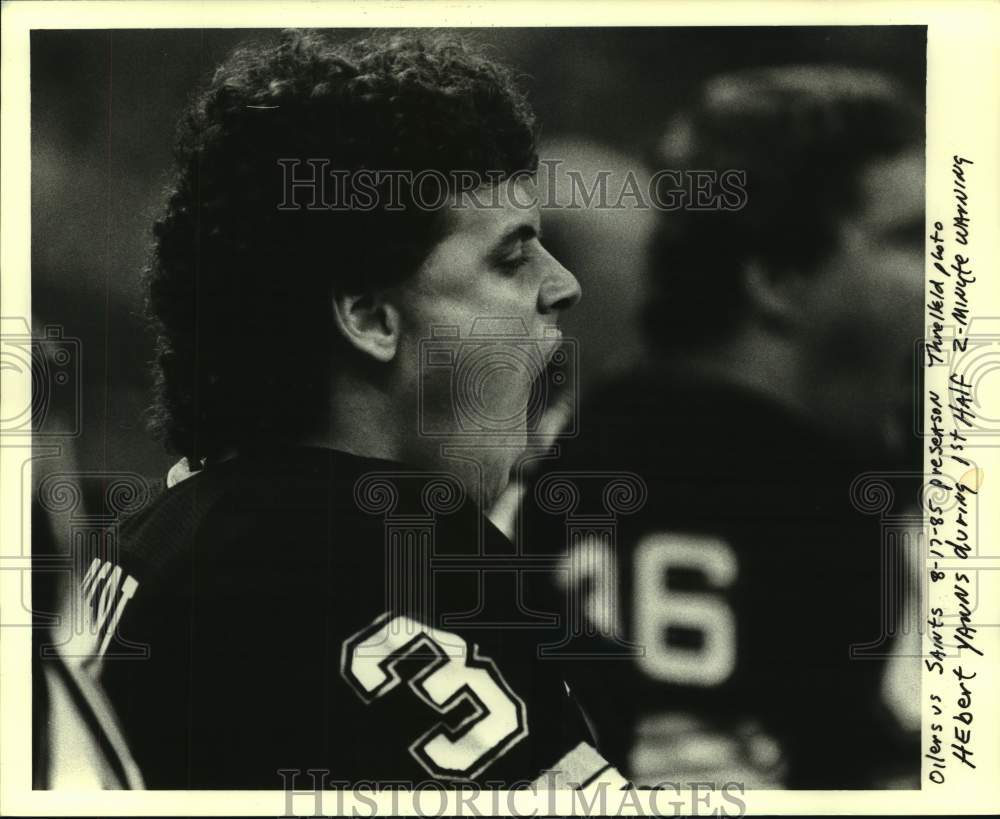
560 289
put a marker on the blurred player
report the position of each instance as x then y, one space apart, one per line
781 331
274 610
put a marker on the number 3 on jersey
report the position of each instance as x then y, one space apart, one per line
455 672
660 608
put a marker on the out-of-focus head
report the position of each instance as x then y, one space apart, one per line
826 253
241 291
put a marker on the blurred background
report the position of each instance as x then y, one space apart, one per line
103 110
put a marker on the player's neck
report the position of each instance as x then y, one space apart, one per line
374 420
362 421
759 363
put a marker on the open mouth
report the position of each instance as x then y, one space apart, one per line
552 341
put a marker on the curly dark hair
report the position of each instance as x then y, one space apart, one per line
239 291
803 135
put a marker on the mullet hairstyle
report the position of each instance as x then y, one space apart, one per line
239 292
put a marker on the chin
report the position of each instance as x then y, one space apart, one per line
498 465
493 488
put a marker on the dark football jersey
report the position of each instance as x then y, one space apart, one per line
308 609
724 594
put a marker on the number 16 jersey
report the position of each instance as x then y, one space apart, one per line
727 606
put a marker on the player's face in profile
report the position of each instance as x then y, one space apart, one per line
491 279
867 305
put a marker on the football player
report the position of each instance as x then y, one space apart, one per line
276 609
740 596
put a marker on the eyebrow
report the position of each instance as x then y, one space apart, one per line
519 233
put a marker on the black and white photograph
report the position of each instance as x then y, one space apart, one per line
434 410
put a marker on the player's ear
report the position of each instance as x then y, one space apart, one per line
369 322
774 295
